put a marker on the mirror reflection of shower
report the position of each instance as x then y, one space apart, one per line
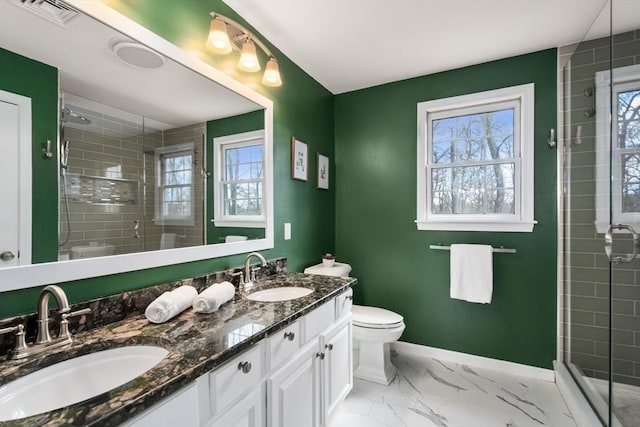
116 169
67 115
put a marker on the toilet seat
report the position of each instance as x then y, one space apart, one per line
375 318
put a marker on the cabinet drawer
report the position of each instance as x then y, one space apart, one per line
282 345
344 301
319 320
234 379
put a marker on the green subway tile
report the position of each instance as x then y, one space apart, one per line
583 289
600 305
590 333
579 317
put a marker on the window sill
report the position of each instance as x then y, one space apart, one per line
239 223
518 227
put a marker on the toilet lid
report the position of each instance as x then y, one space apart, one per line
375 317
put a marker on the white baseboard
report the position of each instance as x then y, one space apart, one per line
479 361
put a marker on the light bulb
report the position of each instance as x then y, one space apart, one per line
218 40
248 58
271 75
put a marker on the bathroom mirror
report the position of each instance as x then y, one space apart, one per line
118 122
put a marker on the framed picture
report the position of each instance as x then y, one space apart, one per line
299 160
323 172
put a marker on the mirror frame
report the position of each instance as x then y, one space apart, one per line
26 276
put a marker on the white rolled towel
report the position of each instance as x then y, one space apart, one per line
170 304
213 297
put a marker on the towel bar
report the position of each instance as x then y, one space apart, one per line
500 249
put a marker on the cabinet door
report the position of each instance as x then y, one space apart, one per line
180 409
293 393
248 412
337 368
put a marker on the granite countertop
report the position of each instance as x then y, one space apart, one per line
197 343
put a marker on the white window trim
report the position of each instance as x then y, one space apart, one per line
523 220
219 219
159 219
604 149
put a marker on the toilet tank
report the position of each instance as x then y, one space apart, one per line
339 269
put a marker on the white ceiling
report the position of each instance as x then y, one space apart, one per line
352 44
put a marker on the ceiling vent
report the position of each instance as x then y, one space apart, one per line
52 10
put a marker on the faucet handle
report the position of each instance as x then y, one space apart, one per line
253 273
65 316
20 345
241 274
64 323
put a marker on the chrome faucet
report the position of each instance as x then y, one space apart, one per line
249 273
43 311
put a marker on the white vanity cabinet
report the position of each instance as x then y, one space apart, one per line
232 395
294 378
306 390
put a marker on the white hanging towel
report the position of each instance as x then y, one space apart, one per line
472 273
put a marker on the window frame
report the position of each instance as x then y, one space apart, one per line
608 209
161 154
522 218
220 144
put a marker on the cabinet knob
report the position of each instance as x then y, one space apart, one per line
320 356
245 367
289 335
349 297
328 346
7 256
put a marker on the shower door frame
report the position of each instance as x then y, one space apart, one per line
596 408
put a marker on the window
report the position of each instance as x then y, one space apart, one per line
623 149
239 172
475 161
174 189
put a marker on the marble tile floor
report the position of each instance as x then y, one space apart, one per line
626 401
428 392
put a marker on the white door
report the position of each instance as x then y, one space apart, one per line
15 179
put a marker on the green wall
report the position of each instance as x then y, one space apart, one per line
376 133
38 81
367 217
302 107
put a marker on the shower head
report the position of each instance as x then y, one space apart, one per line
70 116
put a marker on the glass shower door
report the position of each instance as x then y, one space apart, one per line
601 180
621 83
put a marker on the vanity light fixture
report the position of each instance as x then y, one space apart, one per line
226 35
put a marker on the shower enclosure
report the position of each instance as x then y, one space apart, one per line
127 183
600 207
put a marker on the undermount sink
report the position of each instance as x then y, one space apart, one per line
74 380
284 293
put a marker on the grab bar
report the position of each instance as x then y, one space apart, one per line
501 249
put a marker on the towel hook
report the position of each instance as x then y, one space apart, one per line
552 138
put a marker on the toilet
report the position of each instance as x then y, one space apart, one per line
374 329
